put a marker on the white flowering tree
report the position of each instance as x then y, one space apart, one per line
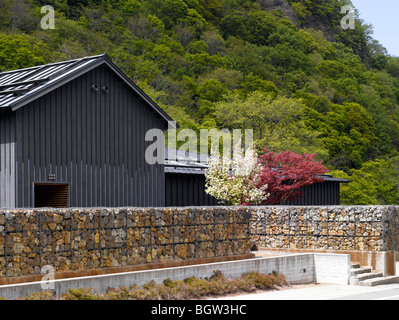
234 180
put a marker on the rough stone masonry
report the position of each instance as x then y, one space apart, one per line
76 239
350 228
92 238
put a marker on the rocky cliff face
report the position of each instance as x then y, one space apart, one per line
270 5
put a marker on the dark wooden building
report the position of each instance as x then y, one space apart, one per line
326 193
185 183
73 134
185 180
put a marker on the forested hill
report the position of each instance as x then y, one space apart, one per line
287 69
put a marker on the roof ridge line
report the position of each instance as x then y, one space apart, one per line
53 63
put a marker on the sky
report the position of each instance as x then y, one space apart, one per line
384 16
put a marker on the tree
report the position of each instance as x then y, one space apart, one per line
276 121
375 183
21 51
286 172
393 66
176 8
211 10
233 25
235 180
348 132
255 83
285 58
212 90
260 24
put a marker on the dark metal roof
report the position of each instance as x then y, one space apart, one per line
19 87
177 161
329 177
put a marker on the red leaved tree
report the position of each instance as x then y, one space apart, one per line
285 173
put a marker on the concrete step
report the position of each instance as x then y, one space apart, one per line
369 275
365 276
357 280
360 270
379 281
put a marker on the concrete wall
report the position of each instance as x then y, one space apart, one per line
331 268
298 269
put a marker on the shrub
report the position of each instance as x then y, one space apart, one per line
263 281
189 288
81 294
41 295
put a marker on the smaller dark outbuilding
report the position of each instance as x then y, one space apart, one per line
185 180
326 193
185 183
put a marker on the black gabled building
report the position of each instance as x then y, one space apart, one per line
73 134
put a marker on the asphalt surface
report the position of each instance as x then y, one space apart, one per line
324 292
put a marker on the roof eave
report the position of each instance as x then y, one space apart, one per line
73 74
55 83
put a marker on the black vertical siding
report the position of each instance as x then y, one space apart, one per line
93 140
323 193
7 159
187 190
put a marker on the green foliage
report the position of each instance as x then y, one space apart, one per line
347 131
255 83
393 67
212 90
177 9
260 25
375 183
233 25
285 58
21 51
276 121
333 69
129 7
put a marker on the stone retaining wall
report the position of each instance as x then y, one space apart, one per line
93 238
350 228
98 238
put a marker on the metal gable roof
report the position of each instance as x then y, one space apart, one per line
177 161
19 87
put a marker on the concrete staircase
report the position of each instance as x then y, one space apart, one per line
365 276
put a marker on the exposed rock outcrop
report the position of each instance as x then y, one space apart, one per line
270 5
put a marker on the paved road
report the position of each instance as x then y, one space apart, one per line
325 292
386 293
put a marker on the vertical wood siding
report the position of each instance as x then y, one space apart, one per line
7 160
325 193
187 190
93 140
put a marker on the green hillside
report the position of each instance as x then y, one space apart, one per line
287 69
